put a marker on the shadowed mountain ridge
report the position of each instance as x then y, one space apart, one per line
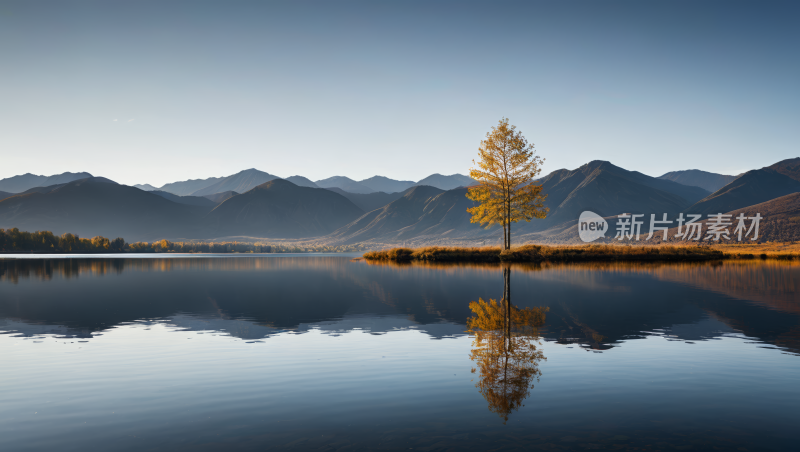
219 197
345 183
98 206
281 209
386 185
21 183
422 210
301 181
443 182
606 189
370 201
188 200
240 182
788 167
697 178
752 187
187 187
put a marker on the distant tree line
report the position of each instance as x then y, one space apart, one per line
16 241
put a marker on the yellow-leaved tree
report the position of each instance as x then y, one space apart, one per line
505 192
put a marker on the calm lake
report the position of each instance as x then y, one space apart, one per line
326 353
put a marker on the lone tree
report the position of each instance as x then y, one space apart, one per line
505 172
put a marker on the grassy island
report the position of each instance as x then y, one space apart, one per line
560 253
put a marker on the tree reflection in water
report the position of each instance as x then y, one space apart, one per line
505 350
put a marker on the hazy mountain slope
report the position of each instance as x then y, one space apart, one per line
788 167
47 189
780 220
370 201
386 185
281 209
240 182
752 187
146 187
689 193
4 195
345 183
188 200
187 187
697 178
301 181
220 197
445 215
388 221
98 206
18 184
606 190
447 182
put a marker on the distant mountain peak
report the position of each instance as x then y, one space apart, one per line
98 179
698 178
279 208
280 184
27 181
345 183
301 181
240 182
447 182
385 184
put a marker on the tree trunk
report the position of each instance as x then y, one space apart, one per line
508 245
508 221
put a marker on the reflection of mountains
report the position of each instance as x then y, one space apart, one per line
275 294
596 305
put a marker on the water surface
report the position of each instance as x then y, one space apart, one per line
324 353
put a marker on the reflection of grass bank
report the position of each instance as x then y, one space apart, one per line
541 253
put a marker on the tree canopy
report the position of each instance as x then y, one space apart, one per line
505 172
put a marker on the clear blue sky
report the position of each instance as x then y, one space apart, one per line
162 91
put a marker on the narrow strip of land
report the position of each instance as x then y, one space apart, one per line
575 253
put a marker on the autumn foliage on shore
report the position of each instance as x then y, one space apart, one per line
540 253
45 242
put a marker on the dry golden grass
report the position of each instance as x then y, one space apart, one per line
770 250
541 253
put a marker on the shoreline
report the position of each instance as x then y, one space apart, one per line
573 253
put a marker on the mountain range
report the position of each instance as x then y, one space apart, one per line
298 208
752 187
98 206
18 184
703 179
605 189
302 181
422 211
369 201
247 179
279 208
781 219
